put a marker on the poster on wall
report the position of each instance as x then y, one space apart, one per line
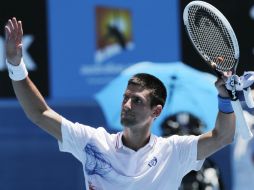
33 17
113 32
113 37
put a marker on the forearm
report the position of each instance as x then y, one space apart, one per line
30 98
219 137
225 128
36 108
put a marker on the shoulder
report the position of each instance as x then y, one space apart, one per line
102 133
175 140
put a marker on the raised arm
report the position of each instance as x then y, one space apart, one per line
222 134
28 95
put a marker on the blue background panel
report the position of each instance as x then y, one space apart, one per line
72 42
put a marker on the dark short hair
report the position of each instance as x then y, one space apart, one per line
158 90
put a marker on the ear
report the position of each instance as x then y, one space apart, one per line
157 110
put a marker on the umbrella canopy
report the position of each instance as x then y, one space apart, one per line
189 90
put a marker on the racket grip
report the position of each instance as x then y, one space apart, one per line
248 97
242 128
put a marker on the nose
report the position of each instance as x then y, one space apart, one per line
127 104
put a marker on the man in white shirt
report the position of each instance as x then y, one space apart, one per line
133 158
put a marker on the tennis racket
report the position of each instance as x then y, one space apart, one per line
214 39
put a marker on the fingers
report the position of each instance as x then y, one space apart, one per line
15 23
13 30
7 32
219 82
13 42
10 24
220 85
20 31
226 75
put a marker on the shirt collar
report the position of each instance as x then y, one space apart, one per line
119 142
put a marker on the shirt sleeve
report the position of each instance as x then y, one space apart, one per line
186 147
74 138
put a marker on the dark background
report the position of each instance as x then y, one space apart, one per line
36 13
237 13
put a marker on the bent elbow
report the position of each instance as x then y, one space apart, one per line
34 118
229 140
223 139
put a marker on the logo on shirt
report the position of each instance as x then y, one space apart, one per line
153 162
96 162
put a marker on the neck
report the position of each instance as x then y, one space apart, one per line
135 139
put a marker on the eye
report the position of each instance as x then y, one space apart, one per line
137 100
125 98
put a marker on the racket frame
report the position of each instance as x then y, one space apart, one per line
225 22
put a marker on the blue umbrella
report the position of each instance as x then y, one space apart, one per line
189 90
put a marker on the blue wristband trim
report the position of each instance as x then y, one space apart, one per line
224 105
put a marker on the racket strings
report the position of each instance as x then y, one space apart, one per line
211 38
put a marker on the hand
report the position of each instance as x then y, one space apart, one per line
13 41
220 85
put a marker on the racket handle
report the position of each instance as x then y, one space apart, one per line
248 97
242 128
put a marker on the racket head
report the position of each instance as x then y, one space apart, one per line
212 36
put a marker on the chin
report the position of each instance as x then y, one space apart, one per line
127 123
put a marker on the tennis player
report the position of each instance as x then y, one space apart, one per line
133 159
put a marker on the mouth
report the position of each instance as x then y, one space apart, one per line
125 114
127 118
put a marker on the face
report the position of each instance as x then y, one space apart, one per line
136 108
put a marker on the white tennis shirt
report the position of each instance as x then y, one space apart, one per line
108 164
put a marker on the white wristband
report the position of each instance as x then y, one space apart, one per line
18 72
